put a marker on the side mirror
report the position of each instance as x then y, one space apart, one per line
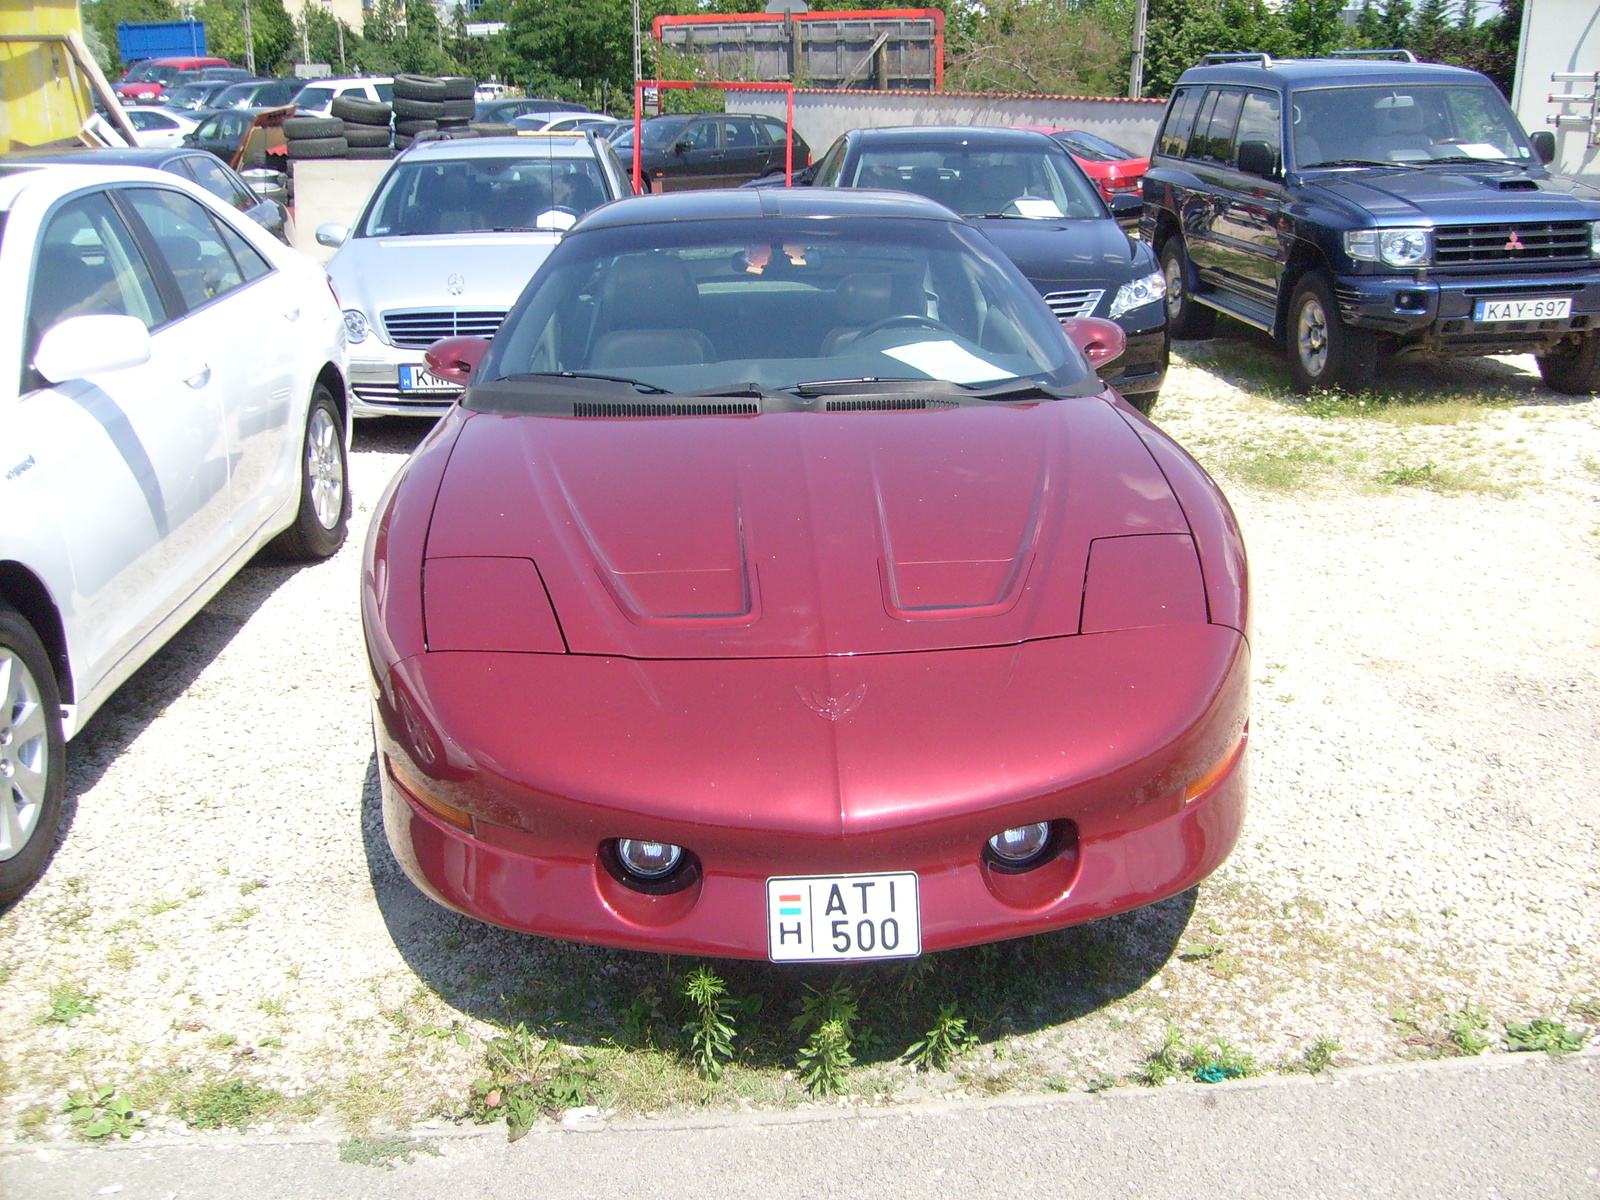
1257 158
83 346
1544 145
456 358
804 176
1100 340
332 235
682 148
1125 205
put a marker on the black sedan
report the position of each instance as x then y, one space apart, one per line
707 150
194 165
1033 201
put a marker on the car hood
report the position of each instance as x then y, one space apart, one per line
1469 194
802 534
396 273
1069 253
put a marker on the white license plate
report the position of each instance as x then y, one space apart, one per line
1546 308
420 379
843 918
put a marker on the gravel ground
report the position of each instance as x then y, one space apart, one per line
1422 841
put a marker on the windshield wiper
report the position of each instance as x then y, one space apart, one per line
651 388
1356 162
824 387
1016 388
1497 160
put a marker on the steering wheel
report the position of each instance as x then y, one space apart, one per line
903 321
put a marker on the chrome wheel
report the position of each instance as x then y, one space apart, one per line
24 754
1174 274
1311 337
325 468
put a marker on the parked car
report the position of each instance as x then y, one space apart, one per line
176 402
1115 170
317 96
452 232
701 624
145 82
710 150
1031 198
194 165
160 129
1354 208
503 112
194 96
258 93
224 75
600 126
222 131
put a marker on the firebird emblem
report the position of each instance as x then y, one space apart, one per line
1515 243
456 284
832 708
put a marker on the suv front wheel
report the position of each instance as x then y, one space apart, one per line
1573 367
1185 317
1323 351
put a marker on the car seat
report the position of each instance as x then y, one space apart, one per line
651 304
862 299
1401 130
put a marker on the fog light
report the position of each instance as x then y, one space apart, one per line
1020 845
648 860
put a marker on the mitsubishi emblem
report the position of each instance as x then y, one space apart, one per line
457 284
1515 243
832 708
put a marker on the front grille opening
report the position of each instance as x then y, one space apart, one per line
657 409
890 404
1074 304
1530 242
421 328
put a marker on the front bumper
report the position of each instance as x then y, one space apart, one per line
553 755
1143 366
375 383
1435 313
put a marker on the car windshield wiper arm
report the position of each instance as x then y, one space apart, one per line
821 387
1356 162
1016 387
638 383
1497 160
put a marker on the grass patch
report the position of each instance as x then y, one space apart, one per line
1269 470
1212 1060
1315 1059
383 1151
1543 1034
1464 1030
227 1103
66 1006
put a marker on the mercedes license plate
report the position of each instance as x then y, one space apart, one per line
420 379
1541 308
843 918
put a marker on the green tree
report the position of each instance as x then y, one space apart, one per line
271 29
1314 27
1060 47
1181 32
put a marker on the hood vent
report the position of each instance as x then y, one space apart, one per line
1514 185
664 410
890 404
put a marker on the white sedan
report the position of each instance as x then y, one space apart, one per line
159 129
174 401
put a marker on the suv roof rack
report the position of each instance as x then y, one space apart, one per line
1398 55
1233 56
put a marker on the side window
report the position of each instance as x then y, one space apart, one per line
701 135
1197 143
1259 121
251 265
777 132
1174 139
89 265
385 92
219 181
740 134
1217 141
827 173
190 242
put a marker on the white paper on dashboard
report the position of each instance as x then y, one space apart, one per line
946 360
1480 150
1032 206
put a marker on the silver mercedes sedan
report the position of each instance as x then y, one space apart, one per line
452 233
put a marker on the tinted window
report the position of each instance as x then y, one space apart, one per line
1259 121
1095 149
1197 142
1410 123
219 181
777 132
976 181
88 265
740 134
190 242
1174 138
827 173
1216 142
385 91
247 257
702 135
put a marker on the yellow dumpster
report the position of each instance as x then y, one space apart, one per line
46 75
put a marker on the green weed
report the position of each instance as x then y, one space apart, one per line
100 1113
1544 1034
1209 1061
825 1059
709 1027
382 1151
1408 475
227 1103
1316 1058
67 1006
947 1040
1464 1029
529 1076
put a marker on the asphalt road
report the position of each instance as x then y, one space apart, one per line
1502 1126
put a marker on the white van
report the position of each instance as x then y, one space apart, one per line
317 96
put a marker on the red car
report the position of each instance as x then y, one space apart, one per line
147 82
786 584
1115 171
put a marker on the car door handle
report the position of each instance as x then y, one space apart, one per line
196 373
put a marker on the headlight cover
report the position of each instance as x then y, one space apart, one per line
1138 293
1393 247
355 325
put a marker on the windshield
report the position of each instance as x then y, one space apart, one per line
779 302
656 134
314 97
479 195
1086 145
189 96
154 72
236 96
975 181
1414 123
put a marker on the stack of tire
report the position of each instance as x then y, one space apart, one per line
437 107
315 137
366 126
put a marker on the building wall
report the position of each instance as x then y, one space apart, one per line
821 116
1559 36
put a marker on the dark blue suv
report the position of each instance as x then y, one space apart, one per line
1355 207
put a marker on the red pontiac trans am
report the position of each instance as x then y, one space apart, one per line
786 584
